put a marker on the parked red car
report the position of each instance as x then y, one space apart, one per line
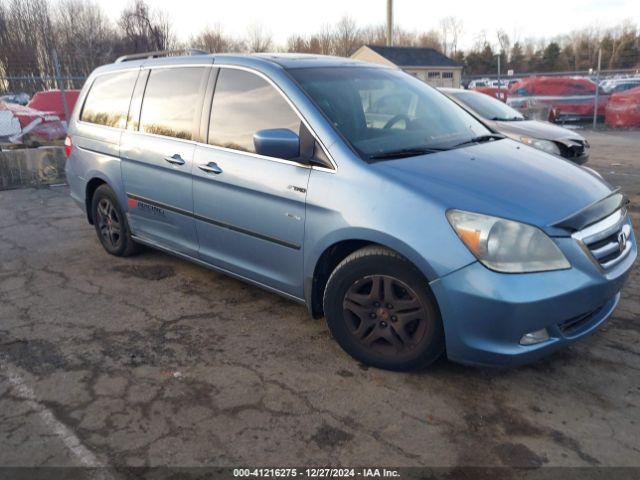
571 97
51 101
623 109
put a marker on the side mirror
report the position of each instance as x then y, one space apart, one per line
278 143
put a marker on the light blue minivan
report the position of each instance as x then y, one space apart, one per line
358 190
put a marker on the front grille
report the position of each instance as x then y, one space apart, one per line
608 241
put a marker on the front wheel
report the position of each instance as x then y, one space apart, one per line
380 310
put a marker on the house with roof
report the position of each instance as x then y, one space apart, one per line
427 64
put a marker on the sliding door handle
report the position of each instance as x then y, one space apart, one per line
174 159
211 167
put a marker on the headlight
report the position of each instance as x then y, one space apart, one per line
505 245
544 145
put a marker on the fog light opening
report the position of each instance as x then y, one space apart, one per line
532 338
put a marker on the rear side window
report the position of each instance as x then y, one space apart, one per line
172 101
243 104
108 100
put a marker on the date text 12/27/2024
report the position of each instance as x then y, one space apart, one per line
315 472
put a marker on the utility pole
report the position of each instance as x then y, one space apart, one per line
499 55
595 104
389 23
60 83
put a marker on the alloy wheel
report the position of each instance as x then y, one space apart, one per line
385 315
109 223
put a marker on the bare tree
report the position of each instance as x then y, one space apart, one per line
451 28
324 39
145 29
258 39
430 39
504 42
374 35
296 44
404 38
346 37
85 38
215 41
26 43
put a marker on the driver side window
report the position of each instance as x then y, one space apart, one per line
244 103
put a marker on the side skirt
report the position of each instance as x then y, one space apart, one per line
152 244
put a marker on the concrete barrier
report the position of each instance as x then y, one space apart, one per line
31 167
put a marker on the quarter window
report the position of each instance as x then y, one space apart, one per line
108 100
172 101
243 104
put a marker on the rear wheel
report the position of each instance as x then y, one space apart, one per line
111 224
380 310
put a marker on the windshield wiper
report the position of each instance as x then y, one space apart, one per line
480 139
404 152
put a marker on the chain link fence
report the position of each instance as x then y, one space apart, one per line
12 85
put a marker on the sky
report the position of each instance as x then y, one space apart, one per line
520 20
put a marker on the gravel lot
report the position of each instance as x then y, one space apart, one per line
154 361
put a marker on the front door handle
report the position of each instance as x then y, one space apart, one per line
211 167
174 159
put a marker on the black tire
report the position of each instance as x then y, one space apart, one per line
111 224
360 311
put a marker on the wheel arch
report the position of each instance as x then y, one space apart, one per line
90 190
108 173
337 250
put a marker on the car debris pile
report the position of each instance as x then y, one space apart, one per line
29 127
34 122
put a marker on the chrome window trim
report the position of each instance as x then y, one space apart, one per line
236 67
254 155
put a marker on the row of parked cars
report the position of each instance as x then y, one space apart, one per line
570 99
33 121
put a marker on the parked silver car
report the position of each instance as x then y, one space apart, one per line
544 136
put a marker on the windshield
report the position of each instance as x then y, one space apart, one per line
380 111
620 87
486 106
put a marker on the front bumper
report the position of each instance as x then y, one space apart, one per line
579 160
486 313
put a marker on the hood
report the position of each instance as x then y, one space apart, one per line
502 178
536 129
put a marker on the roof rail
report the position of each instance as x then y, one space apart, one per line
160 53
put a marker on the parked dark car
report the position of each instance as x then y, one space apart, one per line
544 136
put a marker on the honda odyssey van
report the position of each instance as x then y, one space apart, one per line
357 190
